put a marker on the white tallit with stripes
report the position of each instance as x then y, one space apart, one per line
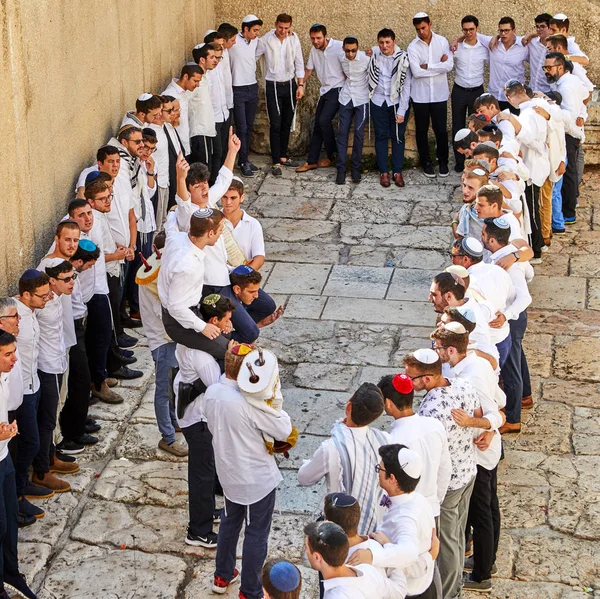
399 69
359 456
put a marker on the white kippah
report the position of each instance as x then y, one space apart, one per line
467 313
560 16
250 19
410 461
461 134
144 97
203 212
421 15
236 178
488 143
458 270
455 327
52 262
501 223
209 31
472 246
479 172
426 356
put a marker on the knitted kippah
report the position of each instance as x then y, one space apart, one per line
285 577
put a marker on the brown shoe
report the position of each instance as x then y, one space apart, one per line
50 481
306 167
57 465
106 395
384 179
399 179
527 403
112 382
324 163
176 448
509 427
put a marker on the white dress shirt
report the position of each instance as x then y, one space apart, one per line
225 66
83 175
509 137
122 203
573 47
242 56
218 93
537 58
52 357
326 63
431 84
143 208
177 92
532 137
283 59
427 436
102 236
201 115
151 312
15 385
505 64
249 236
367 583
4 399
520 273
356 87
194 364
79 309
573 94
180 280
480 338
28 341
99 234
469 64
409 524
382 93
161 156
216 271
245 469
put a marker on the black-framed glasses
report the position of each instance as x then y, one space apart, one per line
548 68
455 255
43 295
71 278
414 378
379 468
168 111
17 316
435 347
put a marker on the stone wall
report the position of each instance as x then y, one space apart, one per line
364 20
69 70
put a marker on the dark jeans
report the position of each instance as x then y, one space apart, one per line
436 111
462 106
258 518
504 105
114 295
201 149
429 593
46 419
74 413
484 518
512 374
348 114
386 128
9 510
525 375
245 317
532 195
28 444
219 150
281 105
245 103
201 478
132 293
570 184
98 335
323 133
503 350
164 361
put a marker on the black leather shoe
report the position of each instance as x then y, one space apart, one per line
23 520
128 353
356 176
340 178
126 373
17 583
86 439
131 323
126 361
92 428
246 170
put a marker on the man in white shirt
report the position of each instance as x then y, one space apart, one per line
284 76
324 58
354 108
181 89
347 461
247 472
430 62
559 24
537 53
327 546
488 105
389 81
147 108
470 59
172 111
515 373
242 57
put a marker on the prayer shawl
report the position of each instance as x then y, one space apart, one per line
273 51
399 69
235 256
359 479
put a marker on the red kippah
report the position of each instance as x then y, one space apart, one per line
403 384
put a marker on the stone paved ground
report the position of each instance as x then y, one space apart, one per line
353 265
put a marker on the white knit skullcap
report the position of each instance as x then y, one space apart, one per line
454 327
209 31
488 143
236 178
461 134
479 172
250 19
421 15
560 16
410 461
144 97
52 262
472 246
458 270
501 223
426 356
467 313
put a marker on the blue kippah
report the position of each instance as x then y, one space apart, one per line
87 245
342 500
30 273
92 176
285 577
243 269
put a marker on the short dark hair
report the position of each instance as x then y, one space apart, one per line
400 400
242 281
459 341
283 18
391 465
160 240
455 316
268 585
227 30
350 40
212 36
558 57
385 33
250 24
469 19
458 244
198 173
366 405
555 95
507 21
145 106
491 132
66 224
543 18
92 189
189 70
465 142
433 369
486 150
203 51
77 203
317 28
513 87
502 236
149 135
85 255
560 23
6 338
419 20
486 100
492 194
105 151
477 121
447 284
558 40
54 271
329 540
237 186
202 226
219 309
166 98
346 517
127 131
30 284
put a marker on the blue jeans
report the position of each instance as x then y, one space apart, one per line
245 103
558 220
386 128
29 438
9 510
512 370
525 375
258 518
164 360
358 114
503 350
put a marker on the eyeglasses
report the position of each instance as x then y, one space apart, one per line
169 111
152 150
435 347
379 468
469 29
455 255
548 68
44 295
17 316
501 31
348 51
71 278
108 198
139 142
414 378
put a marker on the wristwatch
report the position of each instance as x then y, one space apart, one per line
517 255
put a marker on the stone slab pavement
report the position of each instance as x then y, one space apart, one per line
352 265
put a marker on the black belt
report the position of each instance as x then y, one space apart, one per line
469 89
281 83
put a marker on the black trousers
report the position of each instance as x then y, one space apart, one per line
428 593
484 518
46 419
462 106
436 112
504 105
201 478
98 335
532 195
323 133
281 105
74 413
219 150
570 181
9 511
201 149
114 295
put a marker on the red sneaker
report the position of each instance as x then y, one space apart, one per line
220 585
240 596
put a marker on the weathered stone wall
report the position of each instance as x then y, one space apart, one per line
70 69
364 20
